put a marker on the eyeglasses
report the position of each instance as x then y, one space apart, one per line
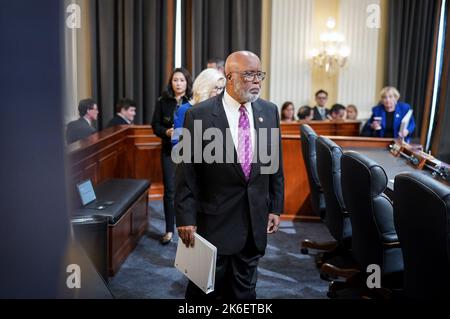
218 89
250 76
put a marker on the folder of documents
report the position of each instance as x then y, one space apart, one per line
198 263
405 121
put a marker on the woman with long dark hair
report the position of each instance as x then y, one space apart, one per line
177 92
287 112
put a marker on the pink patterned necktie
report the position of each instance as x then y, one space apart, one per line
244 143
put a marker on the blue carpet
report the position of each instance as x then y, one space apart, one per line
283 272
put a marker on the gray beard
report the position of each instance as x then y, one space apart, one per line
246 96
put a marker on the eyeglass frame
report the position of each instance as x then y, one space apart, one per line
260 75
218 89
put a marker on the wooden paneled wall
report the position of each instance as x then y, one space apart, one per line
118 152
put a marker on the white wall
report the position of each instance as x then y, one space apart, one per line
357 82
290 71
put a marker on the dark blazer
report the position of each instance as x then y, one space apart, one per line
317 116
117 120
401 108
78 129
216 197
163 120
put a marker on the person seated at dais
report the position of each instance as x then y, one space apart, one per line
83 127
337 112
287 112
351 112
387 117
320 111
305 113
126 111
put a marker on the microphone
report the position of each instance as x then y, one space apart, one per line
414 160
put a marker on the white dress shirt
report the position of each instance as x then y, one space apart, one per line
322 112
87 120
231 107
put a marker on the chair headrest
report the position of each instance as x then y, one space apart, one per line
439 189
376 173
308 131
330 145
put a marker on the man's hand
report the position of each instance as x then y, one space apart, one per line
274 222
186 234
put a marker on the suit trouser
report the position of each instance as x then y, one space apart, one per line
236 275
168 170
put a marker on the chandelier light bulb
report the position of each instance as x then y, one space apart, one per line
331 23
331 50
344 52
314 52
325 37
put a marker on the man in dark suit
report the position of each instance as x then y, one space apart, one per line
126 111
320 111
233 202
82 128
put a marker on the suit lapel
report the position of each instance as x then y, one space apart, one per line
220 121
258 120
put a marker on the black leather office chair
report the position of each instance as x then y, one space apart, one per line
422 220
374 239
308 142
336 217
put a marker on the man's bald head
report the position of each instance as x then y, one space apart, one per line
238 65
239 60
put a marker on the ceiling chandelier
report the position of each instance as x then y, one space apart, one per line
332 54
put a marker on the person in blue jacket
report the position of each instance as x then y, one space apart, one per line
387 117
209 83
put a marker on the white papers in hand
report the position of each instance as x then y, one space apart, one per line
198 263
405 121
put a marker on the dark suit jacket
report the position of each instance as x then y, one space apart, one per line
401 109
317 116
78 129
163 116
216 197
117 120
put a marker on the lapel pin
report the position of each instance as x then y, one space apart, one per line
261 119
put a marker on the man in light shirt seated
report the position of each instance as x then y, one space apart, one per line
320 111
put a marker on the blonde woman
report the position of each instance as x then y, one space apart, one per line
351 113
387 116
209 83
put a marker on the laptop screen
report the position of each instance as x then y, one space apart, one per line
86 191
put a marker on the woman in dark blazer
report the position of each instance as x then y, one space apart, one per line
177 92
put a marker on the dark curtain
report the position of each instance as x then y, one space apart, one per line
133 43
215 28
411 28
